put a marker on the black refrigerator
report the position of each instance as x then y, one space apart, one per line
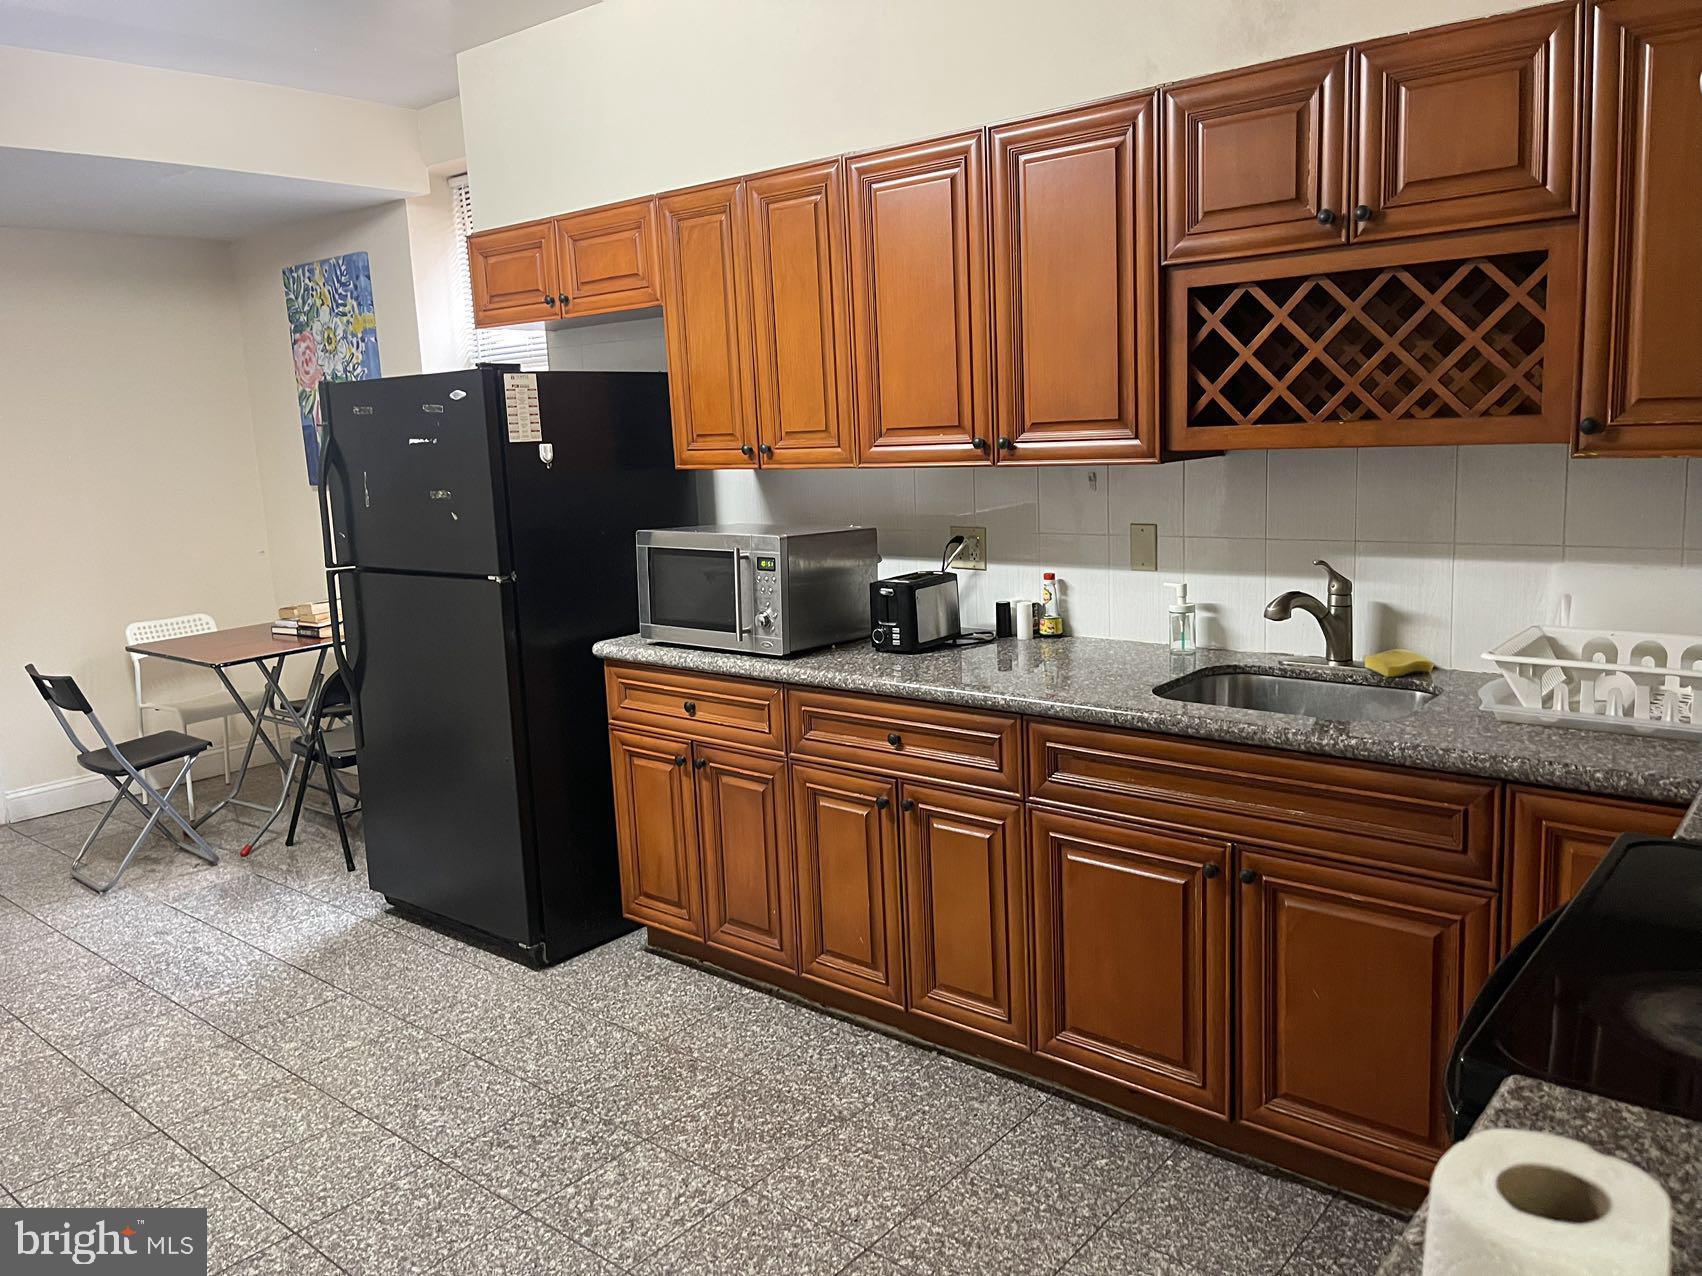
478 530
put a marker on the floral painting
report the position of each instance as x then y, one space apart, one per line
333 335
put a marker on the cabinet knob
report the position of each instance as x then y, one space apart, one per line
549 300
980 445
690 706
1362 213
1589 425
1248 877
1005 445
680 761
895 740
1209 871
700 763
881 803
765 449
745 449
1326 216
908 804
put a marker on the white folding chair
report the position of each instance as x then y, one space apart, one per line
172 696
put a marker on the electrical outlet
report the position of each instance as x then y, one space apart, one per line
1143 547
973 556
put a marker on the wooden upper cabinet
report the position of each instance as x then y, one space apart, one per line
920 352
608 259
1554 842
1256 161
800 311
1131 956
1642 379
745 830
706 309
850 918
1474 125
656 832
1075 285
514 274
966 905
1352 987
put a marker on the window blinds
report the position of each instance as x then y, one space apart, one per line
525 344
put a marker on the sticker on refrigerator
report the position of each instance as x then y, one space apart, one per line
520 391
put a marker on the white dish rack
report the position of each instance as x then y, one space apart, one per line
1608 680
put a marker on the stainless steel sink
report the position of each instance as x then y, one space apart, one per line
1306 697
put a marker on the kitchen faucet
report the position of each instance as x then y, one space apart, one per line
1336 620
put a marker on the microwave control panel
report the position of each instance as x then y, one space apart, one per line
767 602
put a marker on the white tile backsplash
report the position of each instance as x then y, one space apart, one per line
1451 549
1406 494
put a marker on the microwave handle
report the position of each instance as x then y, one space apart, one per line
740 558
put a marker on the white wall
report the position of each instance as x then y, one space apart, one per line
129 486
629 97
289 505
1452 549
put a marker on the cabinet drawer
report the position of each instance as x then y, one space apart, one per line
907 738
1441 824
725 709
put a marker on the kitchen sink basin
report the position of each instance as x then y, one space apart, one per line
1305 697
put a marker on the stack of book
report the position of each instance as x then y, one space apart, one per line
303 620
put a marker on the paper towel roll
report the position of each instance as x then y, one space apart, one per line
1518 1203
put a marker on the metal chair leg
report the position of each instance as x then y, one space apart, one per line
337 814
300 797
161 806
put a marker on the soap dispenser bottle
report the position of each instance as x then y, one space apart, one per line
1181 617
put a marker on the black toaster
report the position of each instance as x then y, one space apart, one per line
913 612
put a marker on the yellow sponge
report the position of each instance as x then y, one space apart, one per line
1397 662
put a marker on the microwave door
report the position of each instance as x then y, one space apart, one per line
703 597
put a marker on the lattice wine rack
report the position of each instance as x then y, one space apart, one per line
1453 340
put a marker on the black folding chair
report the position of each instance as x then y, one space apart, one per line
330 746
123 765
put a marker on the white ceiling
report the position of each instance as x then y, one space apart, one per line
50 190
396 51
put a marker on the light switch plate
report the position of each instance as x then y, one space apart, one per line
973 556
1143 547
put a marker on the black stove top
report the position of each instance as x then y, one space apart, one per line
1607 996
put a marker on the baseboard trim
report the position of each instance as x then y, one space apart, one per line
32 801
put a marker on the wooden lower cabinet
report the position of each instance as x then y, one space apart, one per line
745 832
1352 986
1131 956
1554 842
656 830
850 926
966 909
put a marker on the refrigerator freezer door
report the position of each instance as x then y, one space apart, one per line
446 823
411 473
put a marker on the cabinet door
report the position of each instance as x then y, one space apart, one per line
608 259
1642 381
1256 161
850 931
920 360
1474 125
706 313
656 831
514 275
1131 961
966 905
1352 988
1555 841
801 319
1075 285
745 824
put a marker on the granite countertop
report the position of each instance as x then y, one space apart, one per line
1110 682
1668 1147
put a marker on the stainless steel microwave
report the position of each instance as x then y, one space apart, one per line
771 591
